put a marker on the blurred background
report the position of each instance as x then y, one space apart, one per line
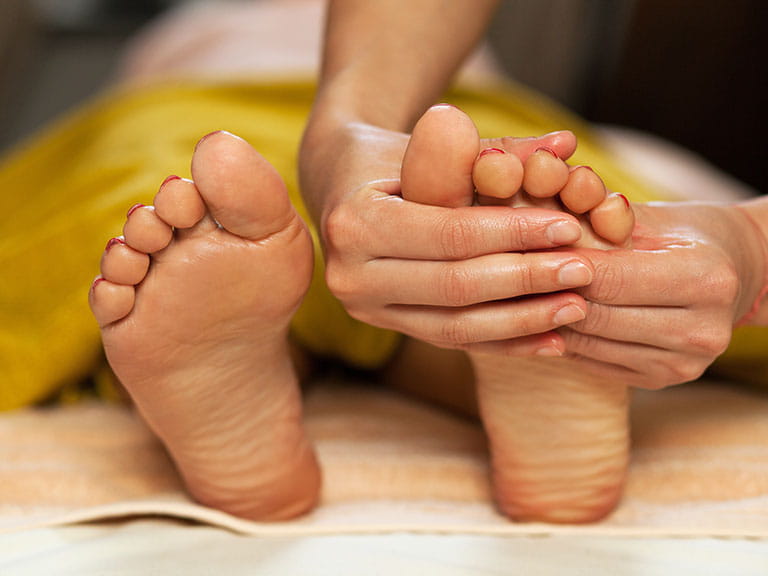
691 71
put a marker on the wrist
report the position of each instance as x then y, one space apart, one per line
756 215
339 157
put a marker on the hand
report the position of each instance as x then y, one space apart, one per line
660 313
453 277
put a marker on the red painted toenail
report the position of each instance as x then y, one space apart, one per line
98 280
169 179
623 198
587 167
492 151
547 149
135 207
114 242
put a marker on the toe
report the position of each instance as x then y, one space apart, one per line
438 163
545 173
497 174
242 191
121 264
145 231
562 142
178 203
110 302
613 219
583 191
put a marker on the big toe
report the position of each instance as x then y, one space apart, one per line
438 163
243 192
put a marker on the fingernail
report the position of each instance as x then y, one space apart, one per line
135 207
547 149
574 274
492 151
114 242
563 232
169 179
568 314
549 351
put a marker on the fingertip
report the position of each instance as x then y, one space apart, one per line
550 345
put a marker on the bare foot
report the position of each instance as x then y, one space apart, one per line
194 304
558 435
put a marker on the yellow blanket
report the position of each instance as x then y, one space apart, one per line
65 192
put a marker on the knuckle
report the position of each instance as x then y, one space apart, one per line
607 284
711 341
456 332
525 279
339 282
520 232
597 319
456 285
722 286
578 343
341 229
685 370
457 237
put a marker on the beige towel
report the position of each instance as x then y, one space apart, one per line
700 467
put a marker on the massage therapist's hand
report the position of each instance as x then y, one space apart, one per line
448 276
660 313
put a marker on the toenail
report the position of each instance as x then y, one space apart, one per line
547 149
568 314
114 242
96 281
574 274
563 232
587 167
135 207
623 198
204 138
492 151
170 179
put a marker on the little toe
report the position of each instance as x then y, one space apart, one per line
243 192
178 203
121 264
583 191
545 173
438 163
145 231
613 219
110 302
497 174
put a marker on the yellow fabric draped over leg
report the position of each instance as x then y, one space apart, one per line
65 192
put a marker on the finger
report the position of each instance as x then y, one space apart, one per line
652 278
493 321
547 344
705 333
562 142
655 367
389 226
482 279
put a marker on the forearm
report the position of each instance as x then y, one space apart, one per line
757 213
386 61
